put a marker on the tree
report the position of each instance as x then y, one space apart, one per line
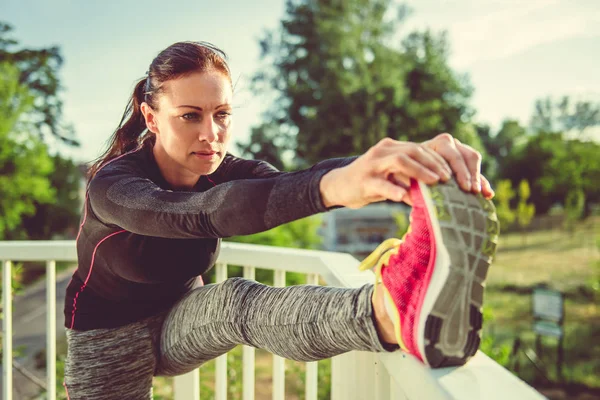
38 71
32 115
565 115
500 145
268 143
525 211
555 166
341 84
574 207
62 216
504 195
24 161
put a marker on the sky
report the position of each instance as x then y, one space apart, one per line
514 51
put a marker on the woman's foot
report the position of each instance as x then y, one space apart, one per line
433 280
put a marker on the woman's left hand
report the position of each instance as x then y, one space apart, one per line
464 161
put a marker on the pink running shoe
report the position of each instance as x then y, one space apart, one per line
433 280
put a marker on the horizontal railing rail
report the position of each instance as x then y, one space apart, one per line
355 375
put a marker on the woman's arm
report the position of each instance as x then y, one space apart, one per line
120 196
240 206
234 168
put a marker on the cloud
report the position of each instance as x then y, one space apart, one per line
486 30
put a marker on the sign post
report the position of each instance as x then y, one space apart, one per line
548 317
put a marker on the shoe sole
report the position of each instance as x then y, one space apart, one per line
465 228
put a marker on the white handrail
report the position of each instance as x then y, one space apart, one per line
481 378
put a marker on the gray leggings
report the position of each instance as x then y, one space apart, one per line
304 323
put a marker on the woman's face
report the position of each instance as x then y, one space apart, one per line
192 125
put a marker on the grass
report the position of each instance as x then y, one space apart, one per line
556 256
564 260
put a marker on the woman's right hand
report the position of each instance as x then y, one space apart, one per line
383 173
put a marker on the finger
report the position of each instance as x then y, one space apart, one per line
473 160
457 163
444 171
421 155
405 165
486 188
400 180
387 190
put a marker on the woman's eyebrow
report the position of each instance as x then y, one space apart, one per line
200 108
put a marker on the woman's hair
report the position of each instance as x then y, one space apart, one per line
175 61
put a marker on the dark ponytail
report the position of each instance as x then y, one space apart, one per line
131 127
176 60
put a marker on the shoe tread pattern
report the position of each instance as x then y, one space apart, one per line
470 232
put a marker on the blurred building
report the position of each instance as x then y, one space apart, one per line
358 232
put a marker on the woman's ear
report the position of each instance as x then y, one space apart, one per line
149 117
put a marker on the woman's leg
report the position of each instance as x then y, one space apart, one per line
110 363
304 323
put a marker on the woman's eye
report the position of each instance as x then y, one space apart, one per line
223 115
190 116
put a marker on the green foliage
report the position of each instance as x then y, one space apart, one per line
564 115
39 193
555 166
402 222
38 71
594 282
504 195
499 146
496 350
62 216
340 86
268 143
574 207
490 345
24 161
525 211
300 234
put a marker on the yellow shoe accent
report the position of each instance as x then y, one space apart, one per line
395 317
380 255
377 259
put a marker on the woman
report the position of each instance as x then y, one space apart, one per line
165 193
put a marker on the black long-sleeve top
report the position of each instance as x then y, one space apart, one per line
141 245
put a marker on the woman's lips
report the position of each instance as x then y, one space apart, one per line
205 155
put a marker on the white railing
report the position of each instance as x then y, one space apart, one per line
355 375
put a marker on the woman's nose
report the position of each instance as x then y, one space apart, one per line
209 130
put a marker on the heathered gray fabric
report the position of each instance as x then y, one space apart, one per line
303 323
142 243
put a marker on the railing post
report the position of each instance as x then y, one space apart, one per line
248 355
51 327
7 330
187 386
342 376
221 362
383 383
358 375
279 362
312 368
